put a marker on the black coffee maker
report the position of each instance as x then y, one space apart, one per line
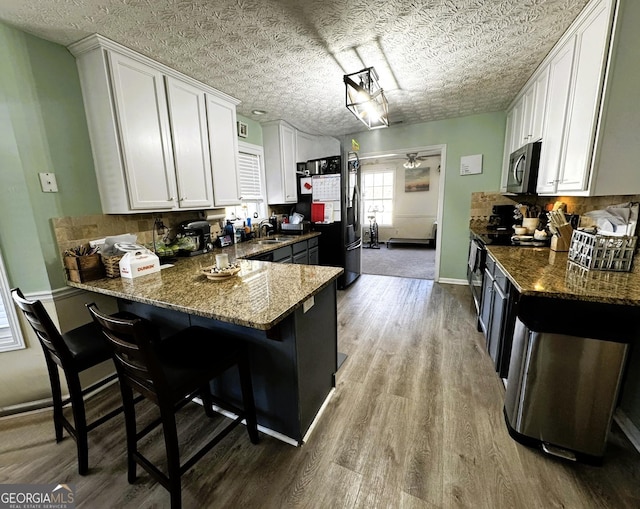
501 218
194 238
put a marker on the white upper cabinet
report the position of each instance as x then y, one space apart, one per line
540 104
304 147
528 105
557 99
525 118
582 109
591 42
190 144
280 158
311 146
617 148
224 151
154 147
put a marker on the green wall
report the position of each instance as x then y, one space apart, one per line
42 129
254 131
476 134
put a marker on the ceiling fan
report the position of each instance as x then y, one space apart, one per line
413 161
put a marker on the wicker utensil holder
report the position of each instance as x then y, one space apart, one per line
112 265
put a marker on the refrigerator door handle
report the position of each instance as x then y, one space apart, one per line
355 245
356 204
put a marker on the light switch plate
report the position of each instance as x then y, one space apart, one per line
48 182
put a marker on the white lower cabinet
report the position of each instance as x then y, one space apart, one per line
154 145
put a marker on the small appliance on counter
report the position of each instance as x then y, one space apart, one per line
501 218
194 238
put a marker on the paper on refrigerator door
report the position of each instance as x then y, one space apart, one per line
326 188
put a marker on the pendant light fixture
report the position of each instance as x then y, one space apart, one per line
365 99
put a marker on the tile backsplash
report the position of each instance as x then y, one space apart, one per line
482 202
74 231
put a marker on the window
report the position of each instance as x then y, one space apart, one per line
10 333
250 183
377 190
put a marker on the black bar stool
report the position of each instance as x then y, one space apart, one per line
74 351
170 373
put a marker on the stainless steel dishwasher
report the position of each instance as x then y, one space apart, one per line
562 391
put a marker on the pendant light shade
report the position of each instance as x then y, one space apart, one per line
365 99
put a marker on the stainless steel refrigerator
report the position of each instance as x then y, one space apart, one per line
334 183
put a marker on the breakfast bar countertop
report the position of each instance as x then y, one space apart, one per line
259 296
541 272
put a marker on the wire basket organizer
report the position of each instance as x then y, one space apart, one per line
602 252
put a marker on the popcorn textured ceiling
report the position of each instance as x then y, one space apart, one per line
436 58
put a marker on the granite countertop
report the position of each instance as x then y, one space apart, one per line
259 296
540 272
253 248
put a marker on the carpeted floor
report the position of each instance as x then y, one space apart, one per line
415 262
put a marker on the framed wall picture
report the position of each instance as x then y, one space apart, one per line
416 179
243 129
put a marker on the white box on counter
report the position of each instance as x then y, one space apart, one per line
139 263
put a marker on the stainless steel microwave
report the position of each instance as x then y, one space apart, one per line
523 169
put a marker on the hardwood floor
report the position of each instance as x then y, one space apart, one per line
415 422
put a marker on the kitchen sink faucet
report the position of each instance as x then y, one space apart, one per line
267 226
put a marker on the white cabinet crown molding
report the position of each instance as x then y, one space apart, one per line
95 41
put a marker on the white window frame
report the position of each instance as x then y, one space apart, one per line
258 151
365 213
10 337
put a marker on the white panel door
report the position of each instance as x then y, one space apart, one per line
528 105
223 144
188 115
557 99
540 103
517 132
508 135
305 147
143 123
591 51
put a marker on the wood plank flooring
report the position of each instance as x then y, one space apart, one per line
415 422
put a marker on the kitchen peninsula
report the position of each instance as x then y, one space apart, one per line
276 308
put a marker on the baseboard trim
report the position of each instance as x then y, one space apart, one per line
44 404
627 426
65 292
452 281
266 431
